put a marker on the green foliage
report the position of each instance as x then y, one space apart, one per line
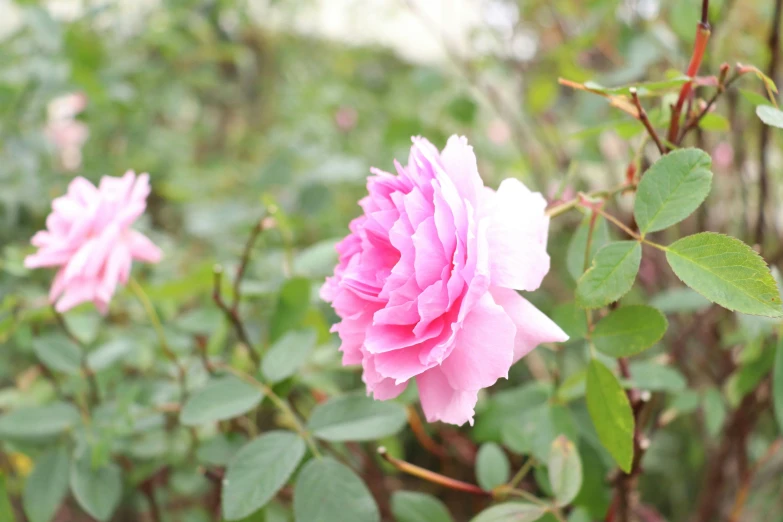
727 272
6 509
38 421
565 470
97 489
511 511
629 330
356 417
58 353
412 506
288 354
672 189
258 471
575 257
611 413
327 491
611 275
770 115
492 466
777 384
220 399
47 485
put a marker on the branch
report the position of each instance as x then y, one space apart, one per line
699 47
774 57
232 315
431 476
646 121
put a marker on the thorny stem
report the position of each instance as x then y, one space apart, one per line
251 241
722 87
646 121
280 404
232 314
141 295
86 370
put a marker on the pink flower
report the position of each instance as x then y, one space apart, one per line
426 282
66 133
88 237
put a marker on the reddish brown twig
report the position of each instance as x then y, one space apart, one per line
427 442
699 47
232 315
431 476
646 121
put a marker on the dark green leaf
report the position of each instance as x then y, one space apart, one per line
327 491
611 413
221 398
727 272
58 353
714 411
356 417
97 490
292 305
565 470
511 512
611 276
629 330
412 506
258 471
39 421
288 354
47 485
777 384
656 377
672 189
492 466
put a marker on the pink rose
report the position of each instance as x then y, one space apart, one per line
426 282
88 237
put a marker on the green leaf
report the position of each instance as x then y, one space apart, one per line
292 305
575 257
327 491
47 485
714 122
536 428
770 115
754 98
629 330
565 470
97 490
288 354
777 384
109 354
679 300
492 466
727 272
356 417
611 413
58 353
6 509
672 189
611 276
39 421
571 319
412 506
714 412
656 377
511 512
258 471
221 398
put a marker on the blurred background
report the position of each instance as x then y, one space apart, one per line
237 108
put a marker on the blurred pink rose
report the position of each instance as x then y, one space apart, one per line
67 134
425 283
723 155
498 131
346 118
88 237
